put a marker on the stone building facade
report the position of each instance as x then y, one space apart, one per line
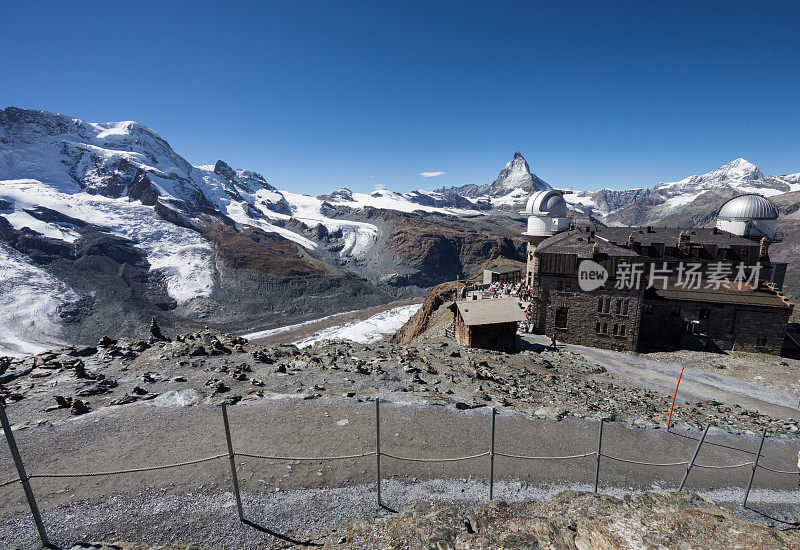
755 321
654 313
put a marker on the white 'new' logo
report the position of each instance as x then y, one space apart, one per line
591 275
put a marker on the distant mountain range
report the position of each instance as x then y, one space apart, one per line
103 225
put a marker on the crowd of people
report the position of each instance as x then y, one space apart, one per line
524 326
502 290
498 290
520 290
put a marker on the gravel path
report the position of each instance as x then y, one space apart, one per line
194 504
697 384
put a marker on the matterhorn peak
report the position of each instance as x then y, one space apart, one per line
517 175
519 163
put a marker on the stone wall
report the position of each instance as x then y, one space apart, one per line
583 317
713 326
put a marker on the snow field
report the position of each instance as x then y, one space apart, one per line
369 330
29 300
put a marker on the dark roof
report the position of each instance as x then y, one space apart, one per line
724 296
500 269
490 311
669 235
582 244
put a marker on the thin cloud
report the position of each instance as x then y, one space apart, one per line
431 174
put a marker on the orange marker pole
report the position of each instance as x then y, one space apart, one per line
669 420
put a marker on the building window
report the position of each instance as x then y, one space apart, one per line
607 305
622 330
561 317
676 311
597 328
705 313
619 307
761 342
744 253
616 329
605 328
600 305
647 308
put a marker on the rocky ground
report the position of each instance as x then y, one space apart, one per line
49 395
212 367
568 521
771 371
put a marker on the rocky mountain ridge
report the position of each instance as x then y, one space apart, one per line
514 183
209 366
199 239
696 197
104 221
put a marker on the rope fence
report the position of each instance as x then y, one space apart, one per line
790 472
305 458
24 478
658 464
454 459
523 457
9 482
712 467
130 470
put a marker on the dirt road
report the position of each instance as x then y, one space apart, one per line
193 503
696 384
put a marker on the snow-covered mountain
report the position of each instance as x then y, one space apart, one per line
694 196
104 224
513 186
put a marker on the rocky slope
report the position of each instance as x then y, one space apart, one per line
569 521
209 366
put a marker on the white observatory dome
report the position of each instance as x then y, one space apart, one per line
547 214
546 203
748 207
751 216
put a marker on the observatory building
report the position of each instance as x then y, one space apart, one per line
750 216
547 215
666 314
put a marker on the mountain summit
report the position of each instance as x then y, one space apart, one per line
517 175
513 185
691 201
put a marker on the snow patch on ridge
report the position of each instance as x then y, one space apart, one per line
369 330
358 236
29 301
183 256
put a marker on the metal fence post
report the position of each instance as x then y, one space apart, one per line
23 477
755 465
232 458
491 458
694 456
599 449
378 446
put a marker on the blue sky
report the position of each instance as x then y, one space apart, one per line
319 95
